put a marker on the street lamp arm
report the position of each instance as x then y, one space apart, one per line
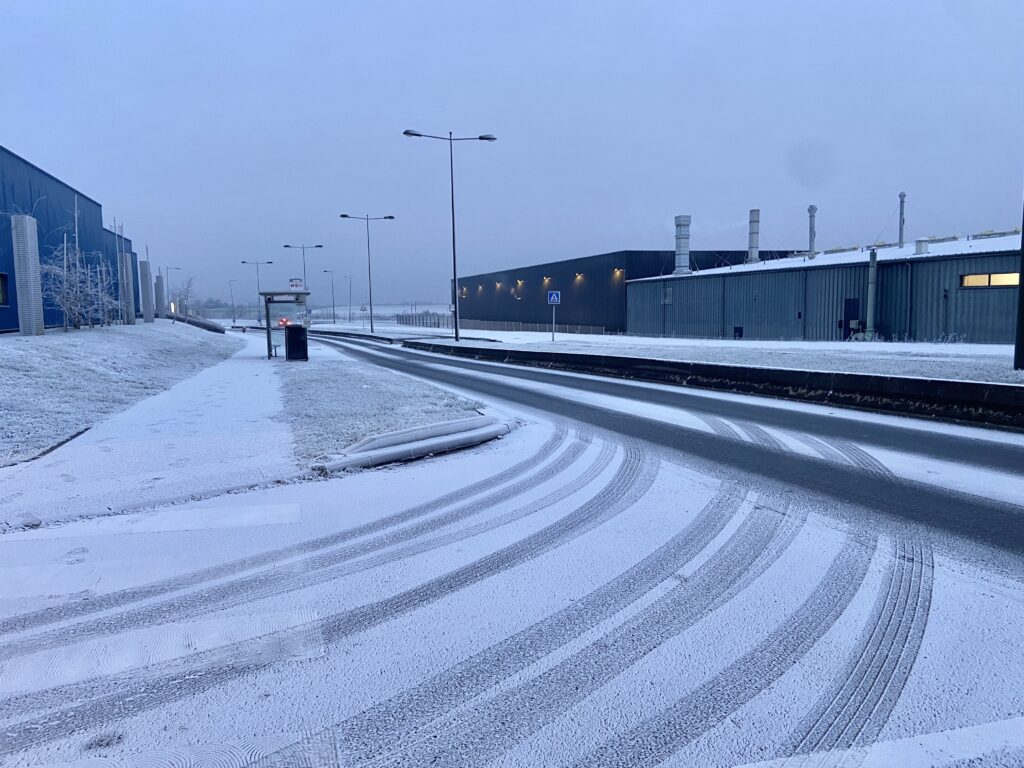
482 137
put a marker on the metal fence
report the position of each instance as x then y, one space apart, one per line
426 320
445 321
511 325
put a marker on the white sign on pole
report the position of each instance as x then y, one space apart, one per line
554 299
295 284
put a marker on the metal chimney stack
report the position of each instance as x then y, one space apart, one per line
812 211
682 245
903 220
755 234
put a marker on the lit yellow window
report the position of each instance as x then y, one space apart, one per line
973 281
1005 278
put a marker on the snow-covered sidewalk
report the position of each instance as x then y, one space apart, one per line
56 385
243 422
968 362
212 431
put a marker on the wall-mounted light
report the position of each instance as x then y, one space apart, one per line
546 278
579 275
497 284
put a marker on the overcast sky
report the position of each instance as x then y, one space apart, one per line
218 131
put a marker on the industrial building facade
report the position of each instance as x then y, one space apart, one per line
592 289
960 290
948 289
32 197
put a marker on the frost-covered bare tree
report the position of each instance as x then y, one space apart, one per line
65 284
86 294
183 295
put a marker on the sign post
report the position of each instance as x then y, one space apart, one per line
554 299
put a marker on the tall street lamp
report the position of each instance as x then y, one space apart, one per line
369 272
259 299
305 285
334 316
231 288
451 169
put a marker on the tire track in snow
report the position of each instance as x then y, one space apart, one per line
865 691
55 614
822 448
275 581
658 737
861 458
137 693
762 437
719 426
55 696
360 737
481 733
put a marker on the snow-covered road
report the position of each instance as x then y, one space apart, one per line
631 578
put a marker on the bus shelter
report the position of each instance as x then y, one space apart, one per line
291 296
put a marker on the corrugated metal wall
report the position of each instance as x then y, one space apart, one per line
919 299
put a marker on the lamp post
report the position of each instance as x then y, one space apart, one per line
305 285
451 170
231 288
170 293
334 316
349 278
369 271
259 299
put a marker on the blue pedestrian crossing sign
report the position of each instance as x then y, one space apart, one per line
554 297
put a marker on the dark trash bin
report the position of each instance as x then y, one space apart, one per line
296 343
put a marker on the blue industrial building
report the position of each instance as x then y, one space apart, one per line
27 189
592 290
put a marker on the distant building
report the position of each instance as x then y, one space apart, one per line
28 190
592 290
962 289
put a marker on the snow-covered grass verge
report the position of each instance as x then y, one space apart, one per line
332 401
965 362
56 385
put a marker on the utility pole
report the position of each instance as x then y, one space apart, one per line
349 278
231 288
334 314
1018 350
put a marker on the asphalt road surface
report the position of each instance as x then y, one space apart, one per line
641 575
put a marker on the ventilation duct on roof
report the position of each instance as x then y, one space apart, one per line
682 245
812 212
753 239
920 246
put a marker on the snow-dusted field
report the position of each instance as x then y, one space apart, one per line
61 383
969 362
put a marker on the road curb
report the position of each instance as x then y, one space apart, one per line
997 405
417 442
